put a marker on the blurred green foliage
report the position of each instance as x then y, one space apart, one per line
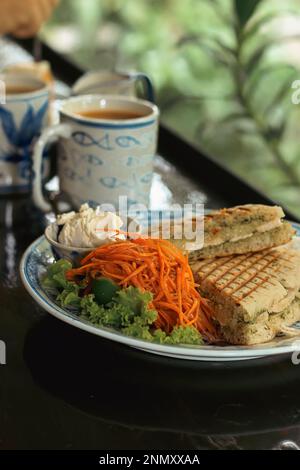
223 71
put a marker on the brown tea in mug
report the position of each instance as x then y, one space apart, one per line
112 114
20 89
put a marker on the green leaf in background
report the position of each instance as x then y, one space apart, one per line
241 121
201 38
220 12
254 80
216 64
254 60
229 118
275 133
282 92
254 26
213 47
244 9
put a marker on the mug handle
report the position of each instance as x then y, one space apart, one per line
147 85
49 135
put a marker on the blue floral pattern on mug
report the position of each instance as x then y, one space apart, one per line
21 123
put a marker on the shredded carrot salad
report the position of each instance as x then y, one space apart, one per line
157 266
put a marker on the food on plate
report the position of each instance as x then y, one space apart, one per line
143 287
89 227
242 229
254 296
241 288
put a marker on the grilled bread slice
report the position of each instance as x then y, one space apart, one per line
236 230
238 222
240 229
246 285
258 241
250 288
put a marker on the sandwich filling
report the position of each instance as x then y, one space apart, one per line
263 228
240 222
258 241
242 229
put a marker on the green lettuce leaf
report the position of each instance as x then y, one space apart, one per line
69 297
55 277
102 316
133 298
179 335
128 312
129 307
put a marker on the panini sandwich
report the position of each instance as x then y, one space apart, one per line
253 296
243 229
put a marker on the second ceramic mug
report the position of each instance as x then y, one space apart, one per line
101 158
113 83
23 115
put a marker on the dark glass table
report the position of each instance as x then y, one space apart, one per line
65 389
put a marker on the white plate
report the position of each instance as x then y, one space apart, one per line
33 265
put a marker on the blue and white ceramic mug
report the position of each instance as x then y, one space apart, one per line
101 158
105 82
23 115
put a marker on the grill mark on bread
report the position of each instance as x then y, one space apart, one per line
258 275
256 286
223 273
220 262
261 261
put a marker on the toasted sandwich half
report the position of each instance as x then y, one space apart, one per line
241 229
253 296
